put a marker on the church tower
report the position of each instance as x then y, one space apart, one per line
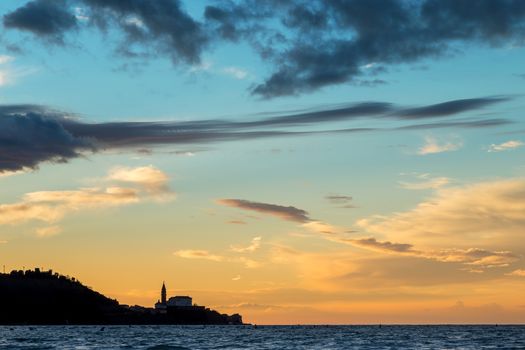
163 294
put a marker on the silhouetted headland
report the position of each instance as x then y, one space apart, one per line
45 298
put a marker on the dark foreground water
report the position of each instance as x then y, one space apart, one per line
263 337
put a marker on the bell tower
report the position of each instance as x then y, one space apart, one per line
163 294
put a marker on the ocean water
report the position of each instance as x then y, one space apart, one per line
262 337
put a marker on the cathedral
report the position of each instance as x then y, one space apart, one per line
179 301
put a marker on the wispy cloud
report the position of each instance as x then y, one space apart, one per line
506 146
10 73
201 67
480 258
517 273
289 213
12 173
425 182
197 254
52 206
256 244
237 222
6 59
342 201
433 146
32 134
236 72
323 228
48 231
206 255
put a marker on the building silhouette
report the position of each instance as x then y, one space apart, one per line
177 302
163 293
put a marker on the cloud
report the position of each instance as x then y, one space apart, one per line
432 146
6 59
248 263
206 255
48 231
518 273
323 228
237 222
44 18
469 124
151 179
283 212
385 246
9 73
12 173
32 134
476 258
237 73
381 110
158 27
201 67
449 107
28 136
454 215
256 244
425 182
236 278
492 211
480 258
147 27
506 146
340 200
323 43
197 254
309 44
52 206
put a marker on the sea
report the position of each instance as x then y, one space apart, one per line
262 337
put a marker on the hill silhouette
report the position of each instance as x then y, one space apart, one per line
44 297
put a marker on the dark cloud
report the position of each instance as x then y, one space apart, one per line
376 109
161 24
345 112
386 246
31 138
310 44
449 107
31 134
340 200
332 42
468 124
148 27
44 18
284 212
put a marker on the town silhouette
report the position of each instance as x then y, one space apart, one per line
48 298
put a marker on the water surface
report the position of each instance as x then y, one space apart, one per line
262 337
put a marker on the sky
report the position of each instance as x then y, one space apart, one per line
298 162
